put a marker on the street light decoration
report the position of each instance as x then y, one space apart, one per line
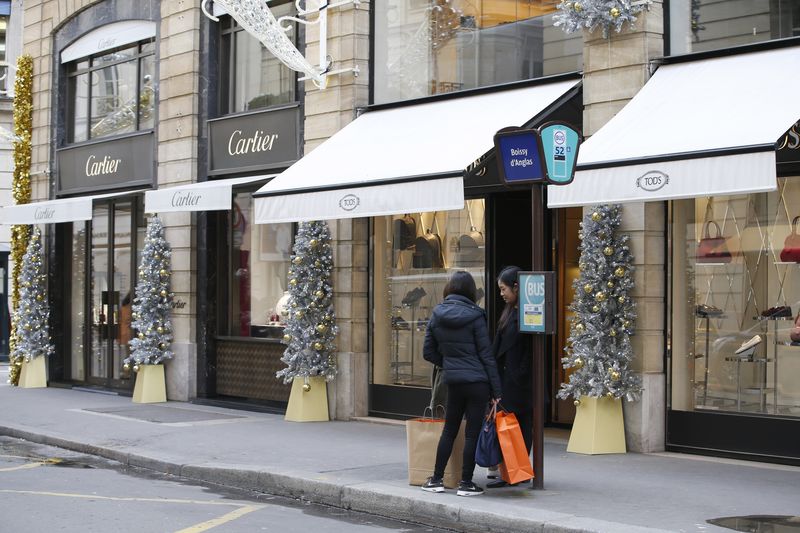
255 17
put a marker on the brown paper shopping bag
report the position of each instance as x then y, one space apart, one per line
422 436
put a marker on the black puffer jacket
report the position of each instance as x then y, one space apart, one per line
457 340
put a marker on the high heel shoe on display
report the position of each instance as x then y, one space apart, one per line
413 296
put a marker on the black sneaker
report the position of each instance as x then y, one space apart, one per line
433 485
468 488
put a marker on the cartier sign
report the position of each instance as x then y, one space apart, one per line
255 141
101 165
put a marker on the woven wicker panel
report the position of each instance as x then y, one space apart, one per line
247 369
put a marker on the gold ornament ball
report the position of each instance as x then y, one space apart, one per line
582 265
613 333
39 298
141 335
610 284
287 338
610 394
297 260
163 272
293 282
306 387
602 234
162 346
600 296
163 293
621 299
608 250
317 263
294 305
615 375
578 363
313 242
156 256
626 323
578 7
587 288
596 308
319 294
614 12
326 318
579 327
322 328
318 346
596 216
580 235
160 329
136 367
619 272
126 367
576 403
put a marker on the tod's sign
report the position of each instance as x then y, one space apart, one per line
255 141
100 165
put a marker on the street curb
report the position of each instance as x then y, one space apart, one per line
359 496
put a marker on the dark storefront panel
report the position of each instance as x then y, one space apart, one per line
246 369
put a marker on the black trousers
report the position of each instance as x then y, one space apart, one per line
463 400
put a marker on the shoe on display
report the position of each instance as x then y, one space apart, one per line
468 488
399 323
779 311
704 310
746 345
413 296
433 485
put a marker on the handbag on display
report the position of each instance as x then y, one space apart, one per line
712 249
428 249
791 246
405 231
794 333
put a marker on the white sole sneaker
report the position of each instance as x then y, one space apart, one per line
468 493
433 489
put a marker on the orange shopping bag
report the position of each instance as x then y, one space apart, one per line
516 466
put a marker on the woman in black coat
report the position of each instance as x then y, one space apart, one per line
457 339
513 352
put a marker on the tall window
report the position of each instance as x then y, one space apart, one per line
111 93
4 79
700 25
251 77
425 47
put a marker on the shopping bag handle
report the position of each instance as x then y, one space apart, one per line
492 412
433 411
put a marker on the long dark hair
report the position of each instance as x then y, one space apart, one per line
508 276
463 284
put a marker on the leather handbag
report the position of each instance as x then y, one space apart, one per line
791 246
794 334
428 251
712 249
405 231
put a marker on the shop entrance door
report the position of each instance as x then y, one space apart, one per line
113 255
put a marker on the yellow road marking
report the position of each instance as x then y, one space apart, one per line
21 467
224 519
121 499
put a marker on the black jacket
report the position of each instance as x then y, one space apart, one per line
457 339
514 354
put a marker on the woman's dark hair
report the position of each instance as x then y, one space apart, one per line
508 277
463 284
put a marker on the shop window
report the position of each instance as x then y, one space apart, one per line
4 67
111 93
258 273
414 255
426 47
251 76
701 25
735 297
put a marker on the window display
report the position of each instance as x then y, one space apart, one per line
414 256
736 299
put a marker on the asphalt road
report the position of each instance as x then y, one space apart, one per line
46 489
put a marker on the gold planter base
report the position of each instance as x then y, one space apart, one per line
33 374
311 406
150 385
598 428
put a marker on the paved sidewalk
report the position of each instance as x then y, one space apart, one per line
362 466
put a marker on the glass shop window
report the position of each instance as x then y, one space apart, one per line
736 301
259 267
251 77
426 47
111 93
414 255
700 25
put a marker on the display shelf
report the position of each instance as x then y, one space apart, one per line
785 263
712 264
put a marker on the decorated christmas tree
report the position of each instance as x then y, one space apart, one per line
152 305
310 332
599 346
32 314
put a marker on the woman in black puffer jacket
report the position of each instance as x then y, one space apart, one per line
457 339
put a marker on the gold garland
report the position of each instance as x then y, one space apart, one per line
21 189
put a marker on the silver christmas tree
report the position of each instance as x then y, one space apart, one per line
599 346
153 302
32 314
310 334
575 15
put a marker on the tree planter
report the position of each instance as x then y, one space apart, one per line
310 405
598 427
150 385
33 374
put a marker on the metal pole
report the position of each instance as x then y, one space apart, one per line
538 263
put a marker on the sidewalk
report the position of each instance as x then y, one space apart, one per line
362 466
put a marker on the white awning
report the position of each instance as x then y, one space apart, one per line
214 195
399 160
701 128
53 211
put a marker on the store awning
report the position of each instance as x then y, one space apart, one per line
400 160
214 195
53 211
700 128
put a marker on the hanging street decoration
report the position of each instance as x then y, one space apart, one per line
310 333
575 15
257 20
150 313
599 348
